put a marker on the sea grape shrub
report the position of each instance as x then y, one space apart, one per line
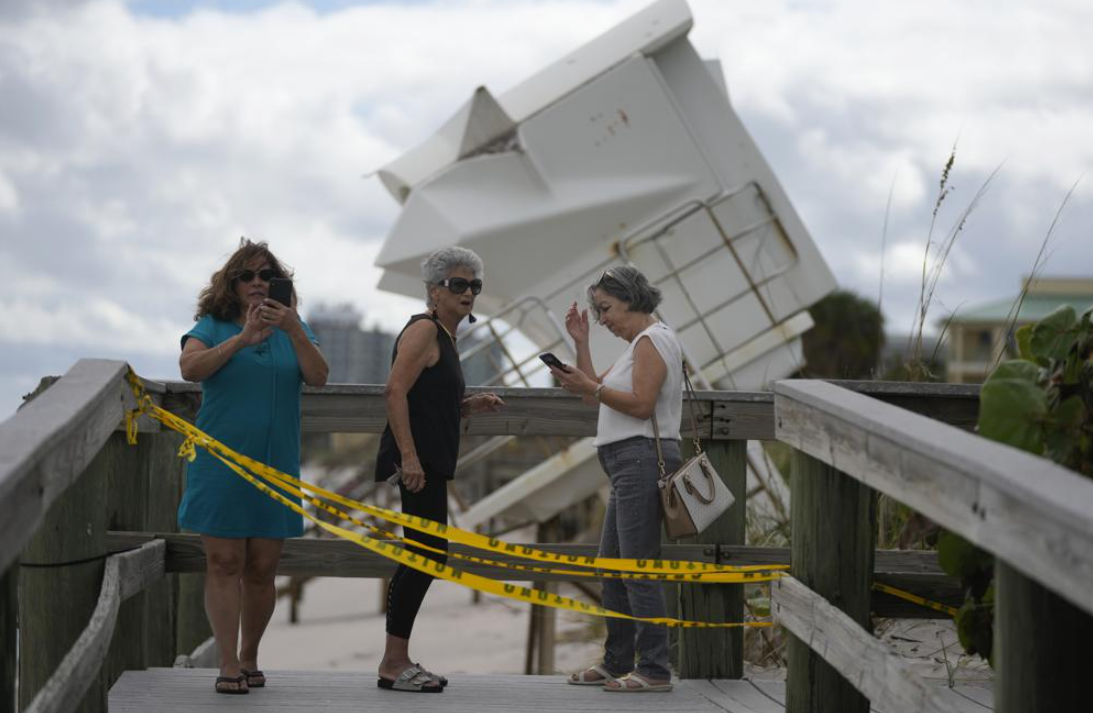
1042 403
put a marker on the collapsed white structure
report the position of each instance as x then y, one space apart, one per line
626 150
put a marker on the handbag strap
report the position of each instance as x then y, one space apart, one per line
694 423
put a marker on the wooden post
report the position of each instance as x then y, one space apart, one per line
714 653
56 599
539 657
834 521
191 623
9 622
126 506
164 491
1041 645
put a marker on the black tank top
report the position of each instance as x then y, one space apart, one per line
435 400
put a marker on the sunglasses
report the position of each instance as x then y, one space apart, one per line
459 285
248 275
605 275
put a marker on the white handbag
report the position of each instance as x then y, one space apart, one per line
695 495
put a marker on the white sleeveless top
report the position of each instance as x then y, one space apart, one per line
616 426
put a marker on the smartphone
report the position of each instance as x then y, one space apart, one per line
551 360
280 289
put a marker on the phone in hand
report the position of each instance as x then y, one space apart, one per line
551 360
280 289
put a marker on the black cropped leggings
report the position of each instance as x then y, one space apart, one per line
408 586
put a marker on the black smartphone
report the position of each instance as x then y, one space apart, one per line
551 360
280 289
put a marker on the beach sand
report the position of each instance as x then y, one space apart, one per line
342 629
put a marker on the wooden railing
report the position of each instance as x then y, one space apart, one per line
1034 516
72 491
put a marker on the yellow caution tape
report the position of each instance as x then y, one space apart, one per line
474 581
907 596
675 569
657 569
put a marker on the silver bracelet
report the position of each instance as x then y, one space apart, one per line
596 394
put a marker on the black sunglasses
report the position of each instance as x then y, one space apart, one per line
459 285
606 274
248 275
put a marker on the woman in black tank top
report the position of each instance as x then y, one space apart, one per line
420 446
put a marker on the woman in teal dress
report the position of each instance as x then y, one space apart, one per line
251 355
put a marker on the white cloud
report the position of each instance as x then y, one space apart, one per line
130 167
91 322
9 198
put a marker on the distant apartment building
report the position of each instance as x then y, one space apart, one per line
355 355
981 335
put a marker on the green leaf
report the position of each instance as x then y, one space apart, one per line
960 558
1017 369
1063 430
1054 335
1013 406
1024 343
975 627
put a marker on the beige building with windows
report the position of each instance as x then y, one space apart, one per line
980 334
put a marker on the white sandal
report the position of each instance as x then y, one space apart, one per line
644 685
583 678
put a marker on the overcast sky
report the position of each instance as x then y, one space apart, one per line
139 140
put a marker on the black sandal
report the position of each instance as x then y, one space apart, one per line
240 681
255 674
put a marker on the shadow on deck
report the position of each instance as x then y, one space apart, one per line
177 690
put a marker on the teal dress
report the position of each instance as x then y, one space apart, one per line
252 405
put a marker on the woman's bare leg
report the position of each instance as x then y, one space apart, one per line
259 596
224 560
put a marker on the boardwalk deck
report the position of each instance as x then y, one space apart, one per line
178 690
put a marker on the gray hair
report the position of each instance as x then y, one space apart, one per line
626 284
439 265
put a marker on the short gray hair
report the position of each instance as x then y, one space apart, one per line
439 265
626 284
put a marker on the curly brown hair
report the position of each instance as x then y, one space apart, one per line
218 298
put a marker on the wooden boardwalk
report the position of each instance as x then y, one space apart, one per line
179 690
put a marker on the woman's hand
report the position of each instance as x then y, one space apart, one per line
576 323
575 381
481 403
413 475
274 314
255 331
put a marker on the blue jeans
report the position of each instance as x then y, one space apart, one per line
632 529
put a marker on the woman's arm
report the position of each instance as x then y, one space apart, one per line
417 349
313 366
649 374
199 361
576 323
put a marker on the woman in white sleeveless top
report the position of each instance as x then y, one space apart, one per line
646 379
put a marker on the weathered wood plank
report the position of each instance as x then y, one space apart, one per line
9 620
181 689
49 442
867 663
66 555
1041 646
712 653
125 575
737 415
1027 510
834 522
913 571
